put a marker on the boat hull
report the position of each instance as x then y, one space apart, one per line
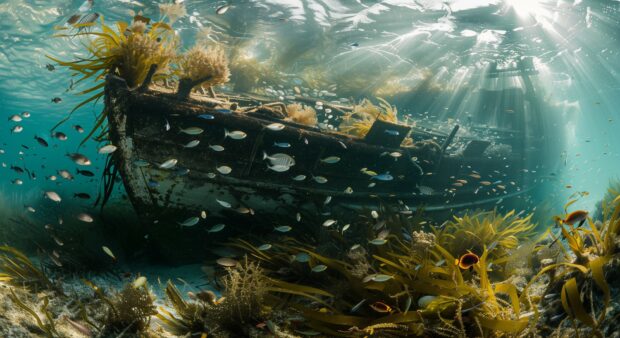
200 182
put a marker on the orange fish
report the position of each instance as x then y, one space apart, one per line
381 307
467 261
577 216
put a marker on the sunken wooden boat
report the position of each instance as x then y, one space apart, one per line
423 175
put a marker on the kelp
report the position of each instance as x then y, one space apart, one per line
401 276
189 317
135 52
360 119
128 311
18 270
49 327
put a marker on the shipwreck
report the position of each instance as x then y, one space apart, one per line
370 172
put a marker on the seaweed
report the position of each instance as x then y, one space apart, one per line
407 286
301 114
18 270
201 66
128 311
192 317
360 119
138 53
475 230
48 328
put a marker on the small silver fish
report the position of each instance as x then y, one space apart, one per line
192 144
217 228
84 217
223 203
275 126
329 222
224 170
15 118
320 179
345 228
192 131
222 9
107 149
331 159
169 163
17 129
235 135
190 221
264 247
79 159
319 268
378 241
108 252
53 196
299 177
283 228
216 147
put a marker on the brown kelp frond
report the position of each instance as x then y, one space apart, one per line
128 311
189 317
398 285
46 325
202 66
478 229
301 114
363 115
18 270
128 51
245 288
581 283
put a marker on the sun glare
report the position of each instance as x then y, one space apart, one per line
525 7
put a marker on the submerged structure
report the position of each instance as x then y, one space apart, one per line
179 156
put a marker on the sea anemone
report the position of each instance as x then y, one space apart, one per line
301 114
202 66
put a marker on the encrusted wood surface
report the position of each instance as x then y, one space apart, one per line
137 126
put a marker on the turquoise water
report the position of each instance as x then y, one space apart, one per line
440 63
390 47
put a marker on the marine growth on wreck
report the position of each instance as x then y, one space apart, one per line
309 169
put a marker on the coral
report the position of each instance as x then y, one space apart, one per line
301 114
202 66
363 115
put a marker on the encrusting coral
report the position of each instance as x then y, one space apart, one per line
202 66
